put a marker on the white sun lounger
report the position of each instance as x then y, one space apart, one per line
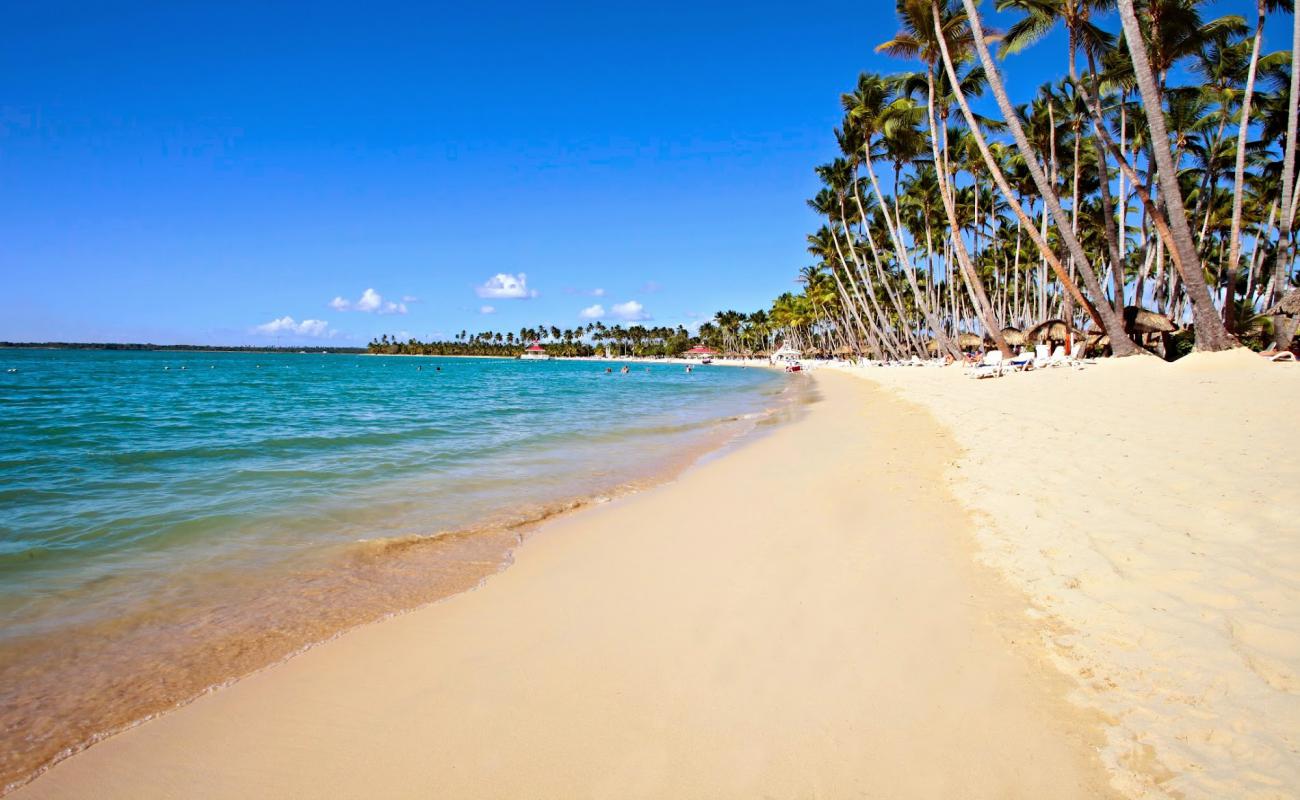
989 367
1021 362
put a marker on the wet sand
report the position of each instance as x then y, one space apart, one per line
801 617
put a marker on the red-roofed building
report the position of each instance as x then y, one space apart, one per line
535 352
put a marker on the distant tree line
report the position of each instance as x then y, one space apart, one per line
596 338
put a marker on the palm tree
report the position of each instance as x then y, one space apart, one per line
869 112
1286 247
1210 332
1102 312
1110 322
1243 128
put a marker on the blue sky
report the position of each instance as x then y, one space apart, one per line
198 173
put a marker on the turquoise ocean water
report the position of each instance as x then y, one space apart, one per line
172 520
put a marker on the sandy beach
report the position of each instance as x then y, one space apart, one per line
1148 511
802 617
925 586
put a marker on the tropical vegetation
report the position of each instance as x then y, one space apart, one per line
1153 180
592 339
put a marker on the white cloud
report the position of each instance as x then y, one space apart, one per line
372 301
410 298
487 310
504 286
311 328
592 312
597 292
631 311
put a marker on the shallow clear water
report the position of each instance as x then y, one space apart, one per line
171 520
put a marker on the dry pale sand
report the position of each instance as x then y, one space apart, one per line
1150 511
800 618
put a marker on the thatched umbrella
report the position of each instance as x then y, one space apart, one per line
1053 330
1288 306
1013 336
966 340
932 346
843 350
1097 342
1139 320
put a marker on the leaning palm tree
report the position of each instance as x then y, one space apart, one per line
1210 332
919 39
1286 247
869 110
1102 313
1243 128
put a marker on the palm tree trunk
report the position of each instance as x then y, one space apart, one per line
880 273
1153 212
1121 201
881 321
905 261
1112 239
1282 261
894 299
848 234
1101 313
1210 333
979 297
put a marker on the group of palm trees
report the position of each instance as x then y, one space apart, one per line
1155 177
591 339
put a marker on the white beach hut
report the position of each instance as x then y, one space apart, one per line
535 352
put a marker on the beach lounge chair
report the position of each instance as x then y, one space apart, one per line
1042 356
989 367
1021 362
1274 356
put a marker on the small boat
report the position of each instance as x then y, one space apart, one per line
706 361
